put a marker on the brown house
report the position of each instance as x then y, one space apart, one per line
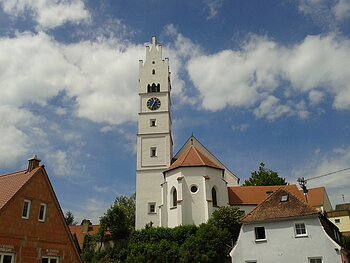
32 225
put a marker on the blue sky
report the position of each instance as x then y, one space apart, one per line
255 81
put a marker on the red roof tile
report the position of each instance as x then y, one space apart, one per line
10 184
315 196
254 195
78 232
274 209
192 157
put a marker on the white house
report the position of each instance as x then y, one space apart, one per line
284 228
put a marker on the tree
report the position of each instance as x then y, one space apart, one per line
69 217
227 218
264 176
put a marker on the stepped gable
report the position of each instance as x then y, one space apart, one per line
274 208
11 183
192 157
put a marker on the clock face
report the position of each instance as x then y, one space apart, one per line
153 103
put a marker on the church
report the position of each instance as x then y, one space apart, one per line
179 189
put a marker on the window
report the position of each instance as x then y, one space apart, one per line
284 198
153 87
174 196
300 229
7 258
337 220
153 72
194 189
250 261
42 212
315 260
153 123
153 152
213 197
49 260
26 209
152 208
260 233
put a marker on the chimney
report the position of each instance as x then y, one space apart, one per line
33 163
85 223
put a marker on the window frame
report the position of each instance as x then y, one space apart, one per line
153 122
173 200
315 260
153 152
43 219
29 202
49 259
214 197
257 234
3 254
337 221
150 204
298 228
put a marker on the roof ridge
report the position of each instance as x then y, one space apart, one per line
198 153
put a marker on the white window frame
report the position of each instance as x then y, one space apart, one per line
44 212
49 258
315 260
300 234
256 236
26 201
7 254
150 204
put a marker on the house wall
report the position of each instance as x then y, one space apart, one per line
30 239
344 225
281 245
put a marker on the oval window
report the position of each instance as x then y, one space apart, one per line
194 188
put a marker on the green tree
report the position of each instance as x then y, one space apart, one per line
264 176
69 217
227 218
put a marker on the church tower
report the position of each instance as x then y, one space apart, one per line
154 140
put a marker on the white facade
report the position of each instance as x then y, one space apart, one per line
154 140
283 245
190 206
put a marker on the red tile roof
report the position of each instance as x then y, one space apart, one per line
10 184
273 208
192 157
315 196
254 195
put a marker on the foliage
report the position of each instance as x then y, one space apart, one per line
227 218
264 177
119 219
89 254
69 217
346 242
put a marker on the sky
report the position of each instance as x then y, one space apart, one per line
254 81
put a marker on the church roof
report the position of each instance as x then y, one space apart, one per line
280 205
192 157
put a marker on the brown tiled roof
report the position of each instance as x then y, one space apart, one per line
315 196
343 206
10 184
78 232
272 209
192 157
254 195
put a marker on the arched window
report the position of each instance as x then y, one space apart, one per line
153 71
214 197
174 196
153 88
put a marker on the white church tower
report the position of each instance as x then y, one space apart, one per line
154 140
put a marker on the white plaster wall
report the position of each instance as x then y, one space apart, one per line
148 184
246 208
283 246
344 225
194 208
163 123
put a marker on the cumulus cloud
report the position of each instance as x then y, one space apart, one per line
253 76
48 14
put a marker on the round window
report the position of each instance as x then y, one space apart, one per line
194 188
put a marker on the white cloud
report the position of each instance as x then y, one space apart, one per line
254 74
341 10
48 14
240 127
213 7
